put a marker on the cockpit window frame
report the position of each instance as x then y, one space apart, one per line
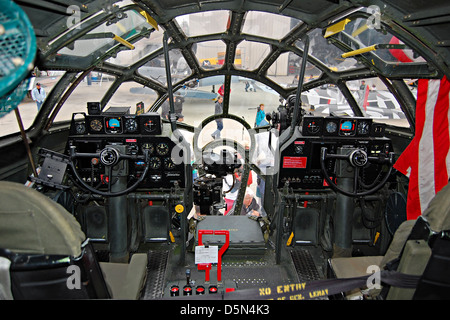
232 37
394 70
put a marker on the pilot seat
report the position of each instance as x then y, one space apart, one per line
45 255
419 247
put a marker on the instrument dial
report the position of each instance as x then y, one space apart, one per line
298 149
155 163
96 125
162 149
109 156
150 126
313 127
363 127
131 125
80 127
148 146
168 163
331 127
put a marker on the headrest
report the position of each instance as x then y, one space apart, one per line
32 223
438 212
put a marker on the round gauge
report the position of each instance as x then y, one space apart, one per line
331 127
148 146
298 149
96 125
162 149
313 127
155 163
149 126
168 163
109 156
363 127
131 125
80 127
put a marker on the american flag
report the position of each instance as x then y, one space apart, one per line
426 160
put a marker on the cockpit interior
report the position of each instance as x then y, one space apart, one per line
224 150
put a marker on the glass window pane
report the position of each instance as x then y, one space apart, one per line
377 102
155 68
195 101
247 95
265 152
143 47
197 24
262 24
102 36
327 53
210 54
91 89
286 69
129 94
231 129
326 100
28 108
372 96
250 54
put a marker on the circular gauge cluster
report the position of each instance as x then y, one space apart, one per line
157 163
160 150
338 126
145 124
347 127
150 125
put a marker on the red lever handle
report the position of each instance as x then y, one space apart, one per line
207 266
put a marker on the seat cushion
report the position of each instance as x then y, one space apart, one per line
354 266
125 281
32 223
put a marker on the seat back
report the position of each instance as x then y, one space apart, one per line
419 247
435 280
45 246
427 252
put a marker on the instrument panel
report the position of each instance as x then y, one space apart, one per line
149 124
341 127
133 135
300 158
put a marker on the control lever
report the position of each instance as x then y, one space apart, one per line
188 276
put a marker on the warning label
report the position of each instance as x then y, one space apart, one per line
295 162
206 255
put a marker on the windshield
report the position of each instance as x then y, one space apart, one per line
262 71
28 108
125 26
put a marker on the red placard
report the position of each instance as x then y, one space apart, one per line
295 162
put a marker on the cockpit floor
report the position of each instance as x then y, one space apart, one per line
297 264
